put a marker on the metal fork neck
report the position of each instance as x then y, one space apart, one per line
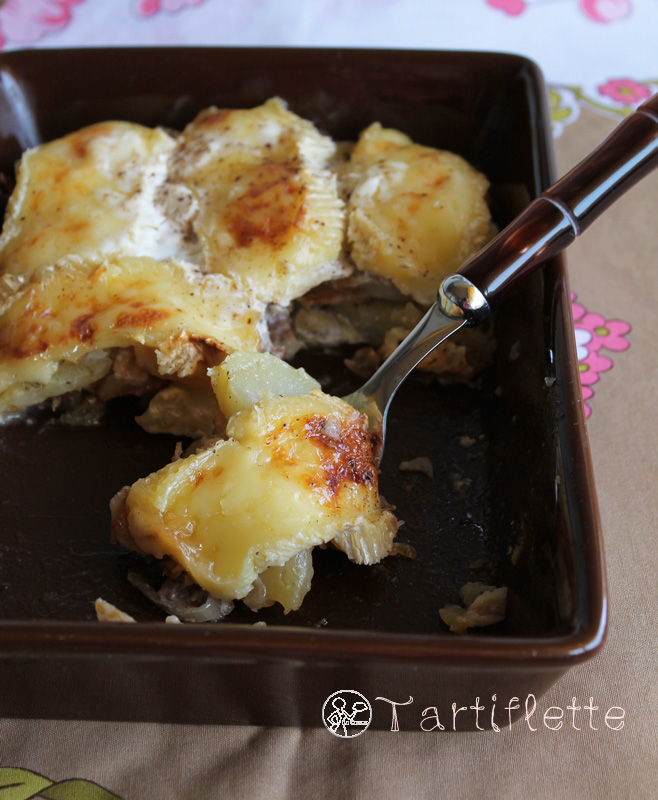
461 299
459 303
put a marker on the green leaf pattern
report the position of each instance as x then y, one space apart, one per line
616 97
23 784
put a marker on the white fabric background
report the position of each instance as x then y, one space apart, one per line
561 35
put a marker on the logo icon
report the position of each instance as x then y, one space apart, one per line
346 713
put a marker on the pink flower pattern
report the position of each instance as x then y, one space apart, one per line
594 332
606 10
511 7
596 10
145 8
625 91
24 22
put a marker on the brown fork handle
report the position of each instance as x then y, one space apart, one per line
551 222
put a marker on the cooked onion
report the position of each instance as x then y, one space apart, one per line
178 599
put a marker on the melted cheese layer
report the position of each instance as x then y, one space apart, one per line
294 473
68 317
269 212
96 192
202 231
416 213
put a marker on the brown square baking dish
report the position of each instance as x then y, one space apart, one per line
524 488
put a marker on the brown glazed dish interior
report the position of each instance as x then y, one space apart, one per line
526 481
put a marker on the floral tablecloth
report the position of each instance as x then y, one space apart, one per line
600 60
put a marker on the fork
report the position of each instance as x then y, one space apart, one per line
547 226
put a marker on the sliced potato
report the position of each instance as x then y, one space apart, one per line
269 212
181 411
92 194
287 585
54 326
296 472
243 379
415 213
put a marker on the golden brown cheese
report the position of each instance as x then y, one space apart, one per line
57 329
242 194
415 213
91 194
269 212
295 472
247 195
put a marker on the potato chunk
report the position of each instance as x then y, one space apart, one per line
287 585
92 194
182 411
295 472
269 212
56 329
415 213
242 379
